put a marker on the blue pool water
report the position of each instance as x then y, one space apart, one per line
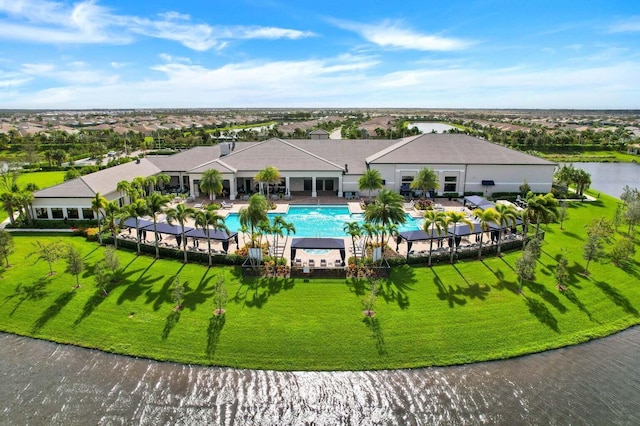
321 221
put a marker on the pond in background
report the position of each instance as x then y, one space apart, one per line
429 127
610 178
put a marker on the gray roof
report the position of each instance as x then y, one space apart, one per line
436 148
284 155
103 181
344 151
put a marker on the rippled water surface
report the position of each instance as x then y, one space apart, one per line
596 383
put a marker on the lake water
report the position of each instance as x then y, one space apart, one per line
596 383
428 127
610 178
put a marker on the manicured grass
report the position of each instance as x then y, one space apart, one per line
451 314
42 179
592 157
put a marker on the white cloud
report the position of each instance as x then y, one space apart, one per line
271 33
50 22
394 35
75 73
344 80
629 25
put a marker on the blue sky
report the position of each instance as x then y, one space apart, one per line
271 53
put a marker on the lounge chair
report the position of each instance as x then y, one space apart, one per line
410 205
226 205
338 263
312 263
323 263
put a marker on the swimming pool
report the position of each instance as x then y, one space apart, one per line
321 221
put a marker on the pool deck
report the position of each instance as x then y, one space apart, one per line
305 258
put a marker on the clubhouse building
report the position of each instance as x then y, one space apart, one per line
313 167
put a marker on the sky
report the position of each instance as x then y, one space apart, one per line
88 54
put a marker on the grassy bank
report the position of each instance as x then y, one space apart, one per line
451 314
591 157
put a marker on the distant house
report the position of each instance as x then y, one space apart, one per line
332 167
634 149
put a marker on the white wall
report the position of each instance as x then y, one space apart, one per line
508 178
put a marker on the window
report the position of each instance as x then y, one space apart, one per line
42 213
88 214
56 213
328 184
450 184
73 213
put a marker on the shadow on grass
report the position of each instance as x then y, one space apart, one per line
53 310
170 323
449 295
138 287
255 292
35 291
548 296
542 313
573 298
617 298
357 286
376 332
216 323
475 291
199 295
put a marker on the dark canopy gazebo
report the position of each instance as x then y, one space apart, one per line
218 235
477 201
318 243
419 235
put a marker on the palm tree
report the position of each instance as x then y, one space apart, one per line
454 217
484 217
181 214
544 208
112 213
162 180
506 215
425 180
525 216
354 230
139 183
98 203
124 187
269 175
136 209
370 180
434 221
254 213
150 183
208 220
386 210
277 229
9 202
155 204
211 183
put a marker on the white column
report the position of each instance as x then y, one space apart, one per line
287 185
192 188
314 192
340 186
232 188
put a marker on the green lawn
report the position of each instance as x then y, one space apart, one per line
451 314
591 156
